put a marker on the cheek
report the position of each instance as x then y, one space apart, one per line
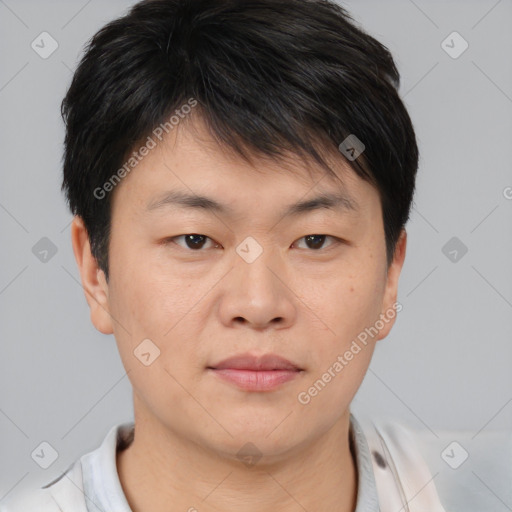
348 304
148 298
347 307
343 351
153 316
158 305
351 306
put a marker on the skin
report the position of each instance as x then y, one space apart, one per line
200 306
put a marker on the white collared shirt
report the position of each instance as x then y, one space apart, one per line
92 483
398 468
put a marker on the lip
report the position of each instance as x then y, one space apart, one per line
256 373
255 363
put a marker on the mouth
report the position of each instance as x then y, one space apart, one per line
252 373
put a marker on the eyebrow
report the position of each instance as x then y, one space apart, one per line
339 201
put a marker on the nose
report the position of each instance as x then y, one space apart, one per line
258 295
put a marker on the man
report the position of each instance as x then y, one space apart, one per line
241 174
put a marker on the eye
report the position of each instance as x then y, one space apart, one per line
316 241
196 242
192 241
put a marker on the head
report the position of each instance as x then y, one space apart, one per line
246 105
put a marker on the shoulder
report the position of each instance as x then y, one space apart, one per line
457 468
93 475
400 466
64 494
35 500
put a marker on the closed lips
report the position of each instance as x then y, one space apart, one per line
268 362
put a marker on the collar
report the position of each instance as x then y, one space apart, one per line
367 497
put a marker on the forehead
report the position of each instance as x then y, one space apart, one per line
188 170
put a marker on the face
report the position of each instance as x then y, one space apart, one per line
251 277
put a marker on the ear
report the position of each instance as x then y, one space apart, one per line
390 295
93 278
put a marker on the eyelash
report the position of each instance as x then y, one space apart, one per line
335 241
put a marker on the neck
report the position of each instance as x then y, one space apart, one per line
161 468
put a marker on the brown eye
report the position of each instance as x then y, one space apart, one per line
193 241
315 242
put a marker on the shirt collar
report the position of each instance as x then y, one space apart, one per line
102 487
103 490
367 497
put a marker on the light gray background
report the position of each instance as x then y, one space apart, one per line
446 363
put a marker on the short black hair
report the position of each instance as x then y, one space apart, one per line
269 77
